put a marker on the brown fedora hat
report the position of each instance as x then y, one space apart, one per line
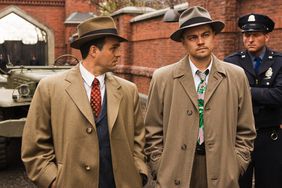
195 16
94 28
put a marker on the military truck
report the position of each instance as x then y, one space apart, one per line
16 95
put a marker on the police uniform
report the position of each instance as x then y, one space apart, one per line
266 90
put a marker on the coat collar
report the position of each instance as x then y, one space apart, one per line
77 93
114 96
183 73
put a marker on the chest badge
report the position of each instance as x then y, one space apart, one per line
268 74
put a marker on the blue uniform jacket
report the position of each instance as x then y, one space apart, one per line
266 87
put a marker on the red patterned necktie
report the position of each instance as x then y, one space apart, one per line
95 99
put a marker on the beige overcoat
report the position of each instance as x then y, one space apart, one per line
60 140
172 122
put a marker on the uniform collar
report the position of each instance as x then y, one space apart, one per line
261 56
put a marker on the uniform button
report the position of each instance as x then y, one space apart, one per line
87 168
208 108
189 112
177 182
89 130
184 147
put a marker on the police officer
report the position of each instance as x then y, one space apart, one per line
263 68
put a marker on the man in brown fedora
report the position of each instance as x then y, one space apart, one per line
84 127
199 127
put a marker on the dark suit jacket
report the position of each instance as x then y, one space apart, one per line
266 87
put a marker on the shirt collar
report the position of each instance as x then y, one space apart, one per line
194 68
88 77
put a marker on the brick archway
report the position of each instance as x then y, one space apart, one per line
49 32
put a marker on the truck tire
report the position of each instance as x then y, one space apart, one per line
3 152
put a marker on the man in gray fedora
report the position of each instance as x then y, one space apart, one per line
199 124
84 127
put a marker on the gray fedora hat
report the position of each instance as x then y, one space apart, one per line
95 28
195 16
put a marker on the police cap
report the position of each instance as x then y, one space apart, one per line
256 22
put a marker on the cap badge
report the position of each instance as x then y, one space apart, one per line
251 18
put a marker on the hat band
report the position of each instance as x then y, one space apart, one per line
254 26
101 31
195 21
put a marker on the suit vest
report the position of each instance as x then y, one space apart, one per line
106 175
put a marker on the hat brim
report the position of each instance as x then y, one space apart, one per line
216 25
80 41
255 28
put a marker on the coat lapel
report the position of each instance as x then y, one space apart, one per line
114 96
78 95
215 78
183 73
247 64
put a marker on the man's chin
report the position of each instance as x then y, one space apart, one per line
203 55
254 49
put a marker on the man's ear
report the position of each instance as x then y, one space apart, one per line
267 36
93 51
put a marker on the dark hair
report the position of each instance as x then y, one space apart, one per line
99 43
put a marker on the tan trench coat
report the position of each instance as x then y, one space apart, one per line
172 122
60 139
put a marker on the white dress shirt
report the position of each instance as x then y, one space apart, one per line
88 78
194 69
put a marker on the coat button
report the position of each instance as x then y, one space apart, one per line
184 147
208 108
189 112
177 182
87 168
89 130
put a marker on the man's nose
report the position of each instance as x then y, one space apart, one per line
118 52
200 40
251 38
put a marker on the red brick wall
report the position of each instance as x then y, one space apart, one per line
151 44
229 11
273 10
78 6
151 47
70 7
